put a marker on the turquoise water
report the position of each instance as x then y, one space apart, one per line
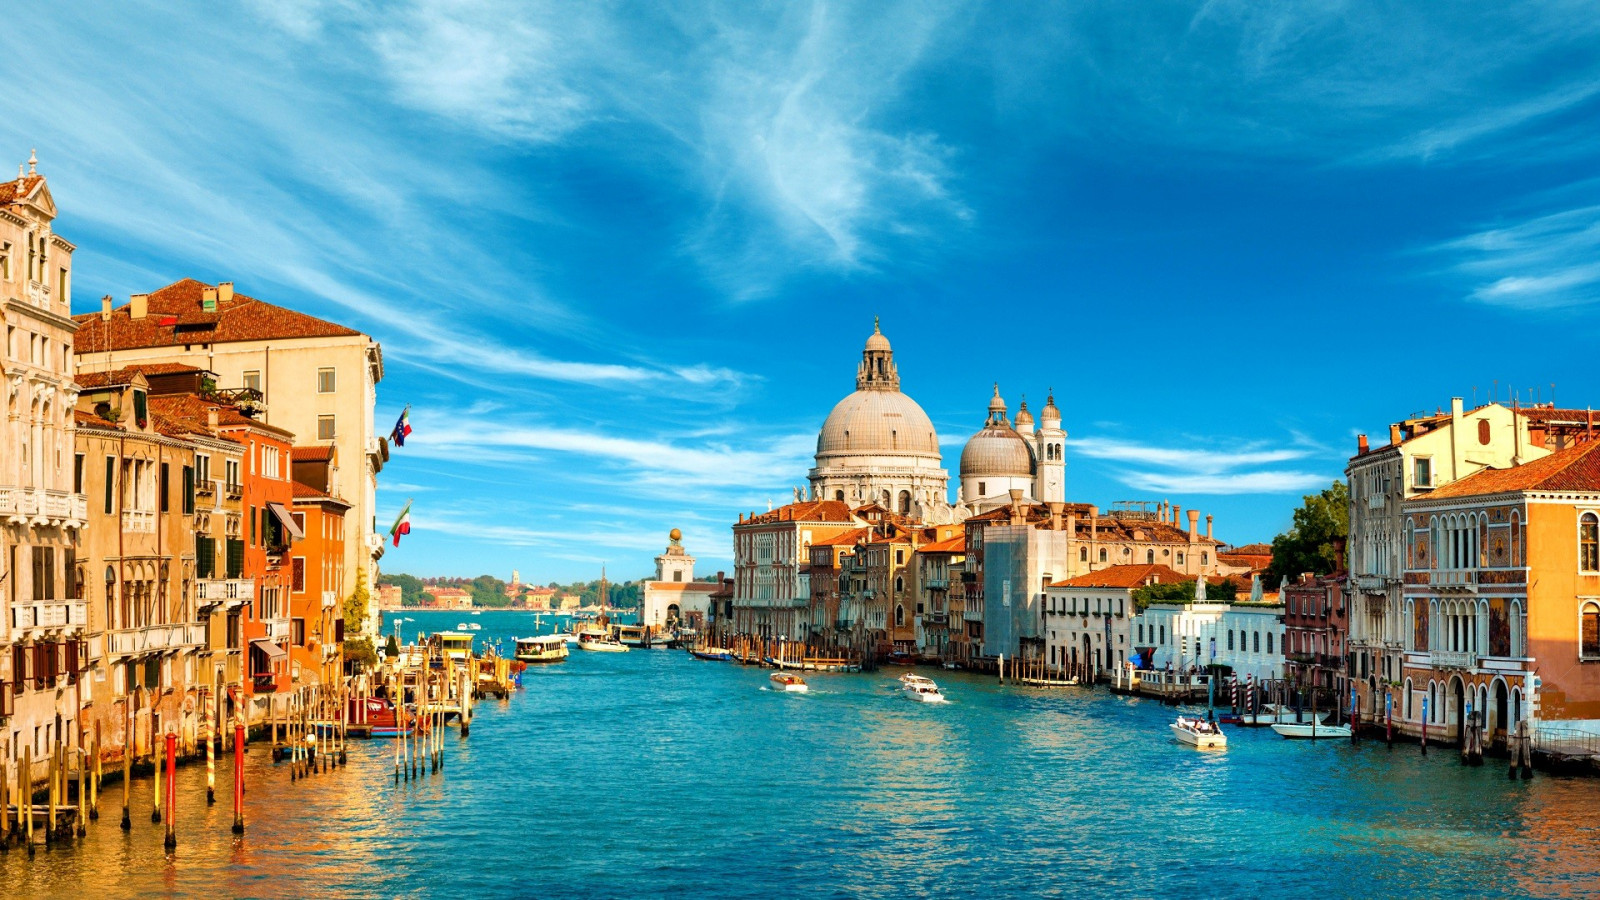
651 774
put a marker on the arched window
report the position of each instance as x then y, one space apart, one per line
905 503
1180 557
899 615
1255 641
1149 557
1589 631
1083 554
899 583
1205 558
1269 642
838 495
1102 554
1589 543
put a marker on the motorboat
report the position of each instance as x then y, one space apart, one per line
950 665
605 643
549 648
714 653
1310 730
921 689
788 682
1269 714
1197 732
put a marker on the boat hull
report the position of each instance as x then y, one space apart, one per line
718 655
602 647
1204 741
1309 732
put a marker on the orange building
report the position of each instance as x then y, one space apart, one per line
1502 598
316 585
269 530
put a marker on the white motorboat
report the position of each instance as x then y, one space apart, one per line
921 689
1311 731
601 643
788 683
1270 714
550 648
1198 732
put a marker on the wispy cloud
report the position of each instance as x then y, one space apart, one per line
1546 261
1200 470
1235 483
1193 459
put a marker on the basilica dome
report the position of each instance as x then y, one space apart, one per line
877 422
997 450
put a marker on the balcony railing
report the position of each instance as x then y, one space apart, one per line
265 683
156 638
330 599
50 614
225 590
21 504
937 584
277 628
138 521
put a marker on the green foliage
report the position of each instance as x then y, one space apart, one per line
391 648
1177 593
355 606
358 652
1308 545
411 588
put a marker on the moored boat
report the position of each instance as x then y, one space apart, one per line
715 653
788 683
601 643
549 648
1197 732
1311 730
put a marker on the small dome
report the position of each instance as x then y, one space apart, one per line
1024 420
996 450
996 405
877 341
1050 415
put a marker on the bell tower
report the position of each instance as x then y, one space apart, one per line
877 372
675 564
1049 444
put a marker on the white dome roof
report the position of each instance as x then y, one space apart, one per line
997 450
877 422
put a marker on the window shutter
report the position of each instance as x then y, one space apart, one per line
205 556
38 574
188 490
235 558
166 487
70 556
111 485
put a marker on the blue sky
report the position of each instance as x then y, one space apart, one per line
622 257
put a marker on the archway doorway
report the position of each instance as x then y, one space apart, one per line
1502 699
1458 698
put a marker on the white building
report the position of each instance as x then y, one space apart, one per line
1001 458
1088 619
1248 638
674 597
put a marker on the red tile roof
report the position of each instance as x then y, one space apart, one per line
845 539
808 511
1128 577
196 412
957 544
9 192
1573 469
175 317
312 454
88 418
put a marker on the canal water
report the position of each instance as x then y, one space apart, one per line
652 774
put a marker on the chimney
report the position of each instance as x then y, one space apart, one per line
1177 517
1338 555
208 300
1394 434
1455 407
1055 515
1361 445
1208 527
1194 524
1016 506
211 418
224 291
138 305
1094 530
105 307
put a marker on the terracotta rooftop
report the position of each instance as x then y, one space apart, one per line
957 544
175 316
9 192
197 411
1128 577
1573 469
88 418
845 539
808 511
312 454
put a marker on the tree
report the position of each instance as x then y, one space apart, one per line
355 605
359 653
411 588
1308 544
392 648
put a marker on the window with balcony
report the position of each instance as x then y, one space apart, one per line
252 380
1589 543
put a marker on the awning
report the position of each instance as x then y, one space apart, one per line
273 651
286 520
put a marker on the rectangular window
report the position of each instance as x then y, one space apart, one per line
141 411
111 485
252 526
205 556
1230 639
1422 472
325 381
77 473
188 489
324 428
297 632
202 469
166 486
300 521
235 558
297 574
252 380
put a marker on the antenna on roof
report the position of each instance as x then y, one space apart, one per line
1552 394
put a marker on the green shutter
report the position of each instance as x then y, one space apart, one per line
205 556
235 558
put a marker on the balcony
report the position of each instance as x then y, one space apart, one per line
1452 659
277 628
229 591
264 683
937 584
330 599
138 521
49 615
1369 584
40 506
156 638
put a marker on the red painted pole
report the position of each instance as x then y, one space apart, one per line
172 790
238 778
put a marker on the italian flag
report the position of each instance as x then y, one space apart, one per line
402 524
402 428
